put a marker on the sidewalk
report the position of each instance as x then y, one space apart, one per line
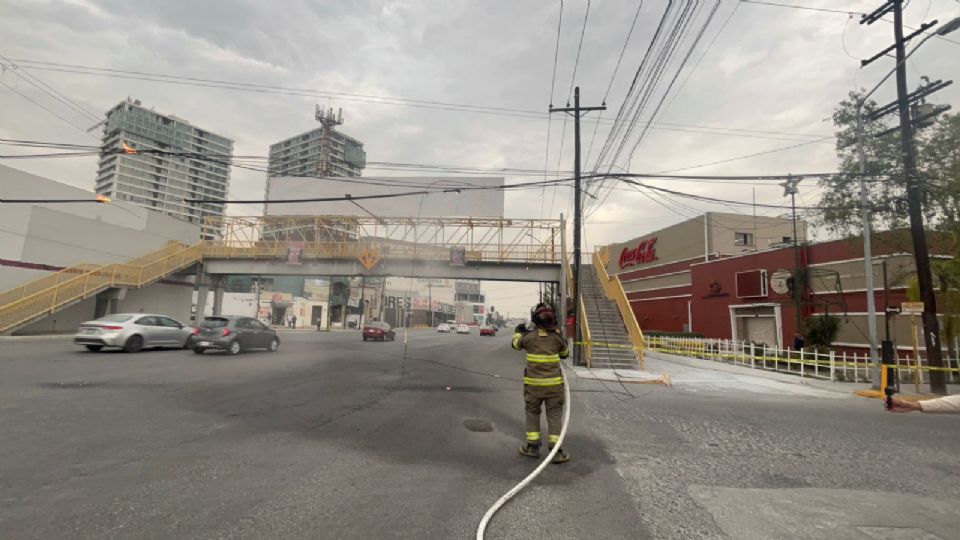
693 374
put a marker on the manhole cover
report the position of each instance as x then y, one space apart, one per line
474 424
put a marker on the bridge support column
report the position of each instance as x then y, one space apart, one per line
108 302
203 291
218 298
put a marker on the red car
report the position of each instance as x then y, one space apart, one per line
378 331
488 331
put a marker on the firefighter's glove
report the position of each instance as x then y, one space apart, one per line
521 329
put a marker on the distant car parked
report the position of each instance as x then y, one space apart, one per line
378 331
234 334
463 329
133 332
443 329
488 331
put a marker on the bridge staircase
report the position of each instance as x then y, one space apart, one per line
610 328
42 297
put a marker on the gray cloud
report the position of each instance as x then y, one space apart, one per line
771 69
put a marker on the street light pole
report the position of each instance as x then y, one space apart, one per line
867 251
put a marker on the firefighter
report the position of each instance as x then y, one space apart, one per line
542 379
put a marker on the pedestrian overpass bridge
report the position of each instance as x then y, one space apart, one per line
459 248
455 248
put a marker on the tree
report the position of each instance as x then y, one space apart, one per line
938 149
947 273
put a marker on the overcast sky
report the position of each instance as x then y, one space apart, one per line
771 69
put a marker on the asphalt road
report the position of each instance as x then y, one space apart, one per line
334 438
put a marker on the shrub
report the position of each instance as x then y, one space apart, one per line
821 331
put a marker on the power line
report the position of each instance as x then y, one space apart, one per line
808 8
553 81
281 90
721 201
746 156
826 10
201 156
576 62
38 104
616 69
49 90
702 56
693 46
627 104
667 51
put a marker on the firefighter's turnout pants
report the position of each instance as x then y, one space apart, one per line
542 380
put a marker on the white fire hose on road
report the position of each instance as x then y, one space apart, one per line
482 529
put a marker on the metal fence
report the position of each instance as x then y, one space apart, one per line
833 365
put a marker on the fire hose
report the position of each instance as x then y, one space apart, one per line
482 529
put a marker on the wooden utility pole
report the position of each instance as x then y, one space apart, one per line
577 111
921 252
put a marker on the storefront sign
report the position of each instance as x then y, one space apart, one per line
779 283
911 307
645 252
716 290
397 302
295 253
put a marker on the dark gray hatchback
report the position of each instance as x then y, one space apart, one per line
234 334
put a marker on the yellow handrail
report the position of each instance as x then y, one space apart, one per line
70 285
587 338
614 291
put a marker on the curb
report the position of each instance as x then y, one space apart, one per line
43 337
877 394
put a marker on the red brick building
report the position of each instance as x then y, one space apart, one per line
724 276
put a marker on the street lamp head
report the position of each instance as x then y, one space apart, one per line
950 26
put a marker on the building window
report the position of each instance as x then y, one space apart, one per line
743 239
787 239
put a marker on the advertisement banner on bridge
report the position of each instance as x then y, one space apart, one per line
295 253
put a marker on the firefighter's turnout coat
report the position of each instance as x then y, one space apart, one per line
542 379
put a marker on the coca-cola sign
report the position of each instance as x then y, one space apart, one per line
645 252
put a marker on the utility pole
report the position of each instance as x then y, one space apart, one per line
921 253
577 111
923 114
799 282
430 301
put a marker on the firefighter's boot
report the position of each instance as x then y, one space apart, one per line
560 456
531 449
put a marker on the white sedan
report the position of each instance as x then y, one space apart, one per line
463 329
443 329
133 332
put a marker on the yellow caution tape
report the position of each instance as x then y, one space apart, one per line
607 345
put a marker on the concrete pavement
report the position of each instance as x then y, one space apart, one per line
335 438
